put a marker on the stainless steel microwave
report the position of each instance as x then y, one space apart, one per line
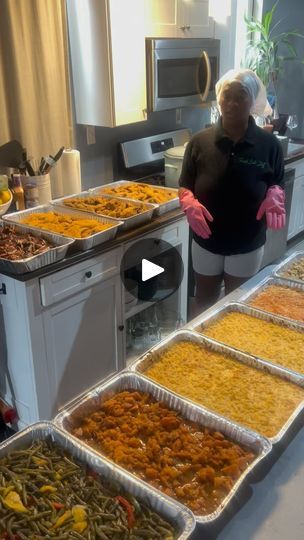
181 72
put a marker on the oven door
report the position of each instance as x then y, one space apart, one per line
180 78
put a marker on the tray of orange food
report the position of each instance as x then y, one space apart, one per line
245 389
281 297
129 212
87 230
191 455
255 332
165 198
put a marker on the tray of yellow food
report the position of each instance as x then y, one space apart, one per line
244 389
131 213
192 455
24 250
292 268
165 198
274 339
278 296
66 491
87 230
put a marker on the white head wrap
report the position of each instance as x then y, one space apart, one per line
252 84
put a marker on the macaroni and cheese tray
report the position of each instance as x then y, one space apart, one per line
242 388
192 455
269 337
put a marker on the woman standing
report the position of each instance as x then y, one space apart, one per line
232 189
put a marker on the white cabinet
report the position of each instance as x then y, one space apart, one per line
107 47
178 18
83 340
296 220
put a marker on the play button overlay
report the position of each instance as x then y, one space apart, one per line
151 270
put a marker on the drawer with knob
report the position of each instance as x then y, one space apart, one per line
74 279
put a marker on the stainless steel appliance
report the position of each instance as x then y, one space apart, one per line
181 72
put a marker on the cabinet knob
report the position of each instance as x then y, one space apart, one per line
183 27
121 327
88 274
3 289
188 27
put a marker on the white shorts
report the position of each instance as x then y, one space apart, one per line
244 265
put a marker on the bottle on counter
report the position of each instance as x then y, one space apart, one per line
31 195
17 190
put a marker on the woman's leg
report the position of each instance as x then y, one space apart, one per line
240 268
208 271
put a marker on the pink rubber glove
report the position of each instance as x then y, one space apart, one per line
274 207
196 214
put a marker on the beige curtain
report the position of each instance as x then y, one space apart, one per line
35 104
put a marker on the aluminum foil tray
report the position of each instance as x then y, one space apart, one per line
131 381
126 223
235 307
269 280
161 208
146 360
56 253
178 515
277 272
80 243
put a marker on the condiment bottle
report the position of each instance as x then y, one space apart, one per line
18 193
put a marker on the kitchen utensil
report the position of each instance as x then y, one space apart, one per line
173 165
11 154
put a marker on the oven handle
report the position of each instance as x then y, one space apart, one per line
207 87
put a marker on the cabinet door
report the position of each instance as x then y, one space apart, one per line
196 19
162 18
301 205
83 341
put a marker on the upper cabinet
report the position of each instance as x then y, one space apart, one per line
178 18
107 44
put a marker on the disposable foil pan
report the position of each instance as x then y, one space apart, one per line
56 253
145 361
178 515
234 307
161 208
252 293
126 223
284 265
131 381
80 243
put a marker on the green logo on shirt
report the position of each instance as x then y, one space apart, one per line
251 161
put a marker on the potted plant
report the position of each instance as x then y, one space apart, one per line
264 52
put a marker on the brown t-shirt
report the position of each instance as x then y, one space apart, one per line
231 180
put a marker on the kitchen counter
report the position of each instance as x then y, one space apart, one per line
121 237
271 507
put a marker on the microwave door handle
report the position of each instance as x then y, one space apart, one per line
204 94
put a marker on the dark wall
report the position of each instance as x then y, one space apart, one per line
291 86
99 161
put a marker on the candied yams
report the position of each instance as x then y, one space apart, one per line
142 192
265 339
286 301
194 464
252 397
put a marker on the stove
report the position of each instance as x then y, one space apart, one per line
142 160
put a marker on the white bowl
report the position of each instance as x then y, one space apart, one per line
4 207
